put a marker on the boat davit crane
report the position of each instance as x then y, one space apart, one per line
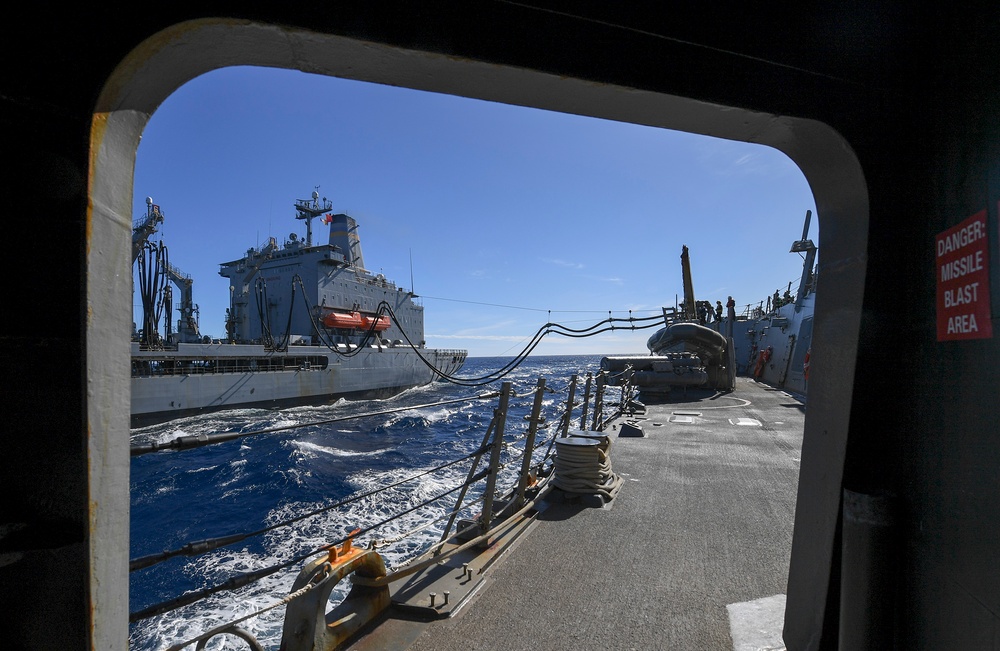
143 229
187 324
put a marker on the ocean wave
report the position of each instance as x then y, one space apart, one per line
191 621
193 471
308 448
261 481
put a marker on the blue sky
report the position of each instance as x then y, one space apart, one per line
506 212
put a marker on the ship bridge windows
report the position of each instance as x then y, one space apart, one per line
158 367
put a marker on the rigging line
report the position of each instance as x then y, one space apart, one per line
536 340
288 324
602 330
658 315
231 625
519 359
370 335
202 546
496 375
383 306
191 597
674 39
510 521
527 309
475 464
385 542
322 337
251 577
263 314
188 442
656 319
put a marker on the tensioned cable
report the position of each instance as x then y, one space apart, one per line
287 337
509 522
385 542
356 579
681 41
369 336
151 263
518 307
251 577
385 309
548 328
202 546
230 626
263 315
514 458
199 440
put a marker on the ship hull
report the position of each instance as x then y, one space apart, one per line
788 332
201 378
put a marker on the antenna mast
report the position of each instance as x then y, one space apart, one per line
309 209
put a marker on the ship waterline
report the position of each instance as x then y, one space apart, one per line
202 378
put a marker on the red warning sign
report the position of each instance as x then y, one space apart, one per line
963 282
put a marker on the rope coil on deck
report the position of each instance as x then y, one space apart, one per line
583 465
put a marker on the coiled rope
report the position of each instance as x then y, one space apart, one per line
583 466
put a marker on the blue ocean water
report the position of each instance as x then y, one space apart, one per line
255 482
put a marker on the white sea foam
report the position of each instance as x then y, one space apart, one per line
168 437
449 430
193 620
192 471
307 448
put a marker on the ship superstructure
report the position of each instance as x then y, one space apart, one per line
307 323
272 285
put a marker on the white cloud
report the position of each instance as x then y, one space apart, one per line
563 263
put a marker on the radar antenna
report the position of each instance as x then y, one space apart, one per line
308 210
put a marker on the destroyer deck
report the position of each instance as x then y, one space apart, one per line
692 554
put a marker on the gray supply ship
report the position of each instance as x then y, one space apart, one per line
307 324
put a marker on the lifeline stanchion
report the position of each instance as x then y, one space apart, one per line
529 444
494 468
569 405
468 480
599 401
586 401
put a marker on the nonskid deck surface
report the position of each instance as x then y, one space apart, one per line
703 522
